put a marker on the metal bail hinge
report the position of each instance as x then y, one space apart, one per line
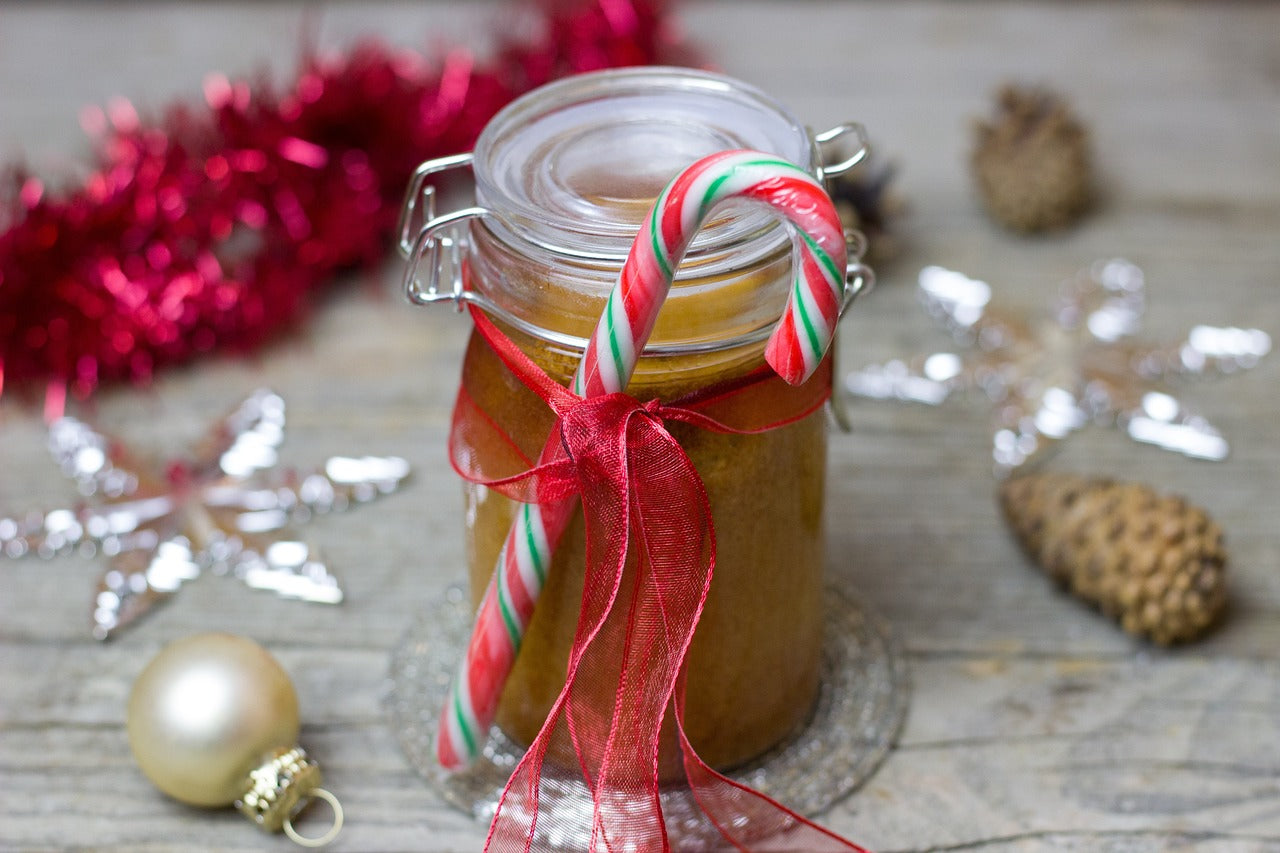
859 278
831 144
435 242
439 248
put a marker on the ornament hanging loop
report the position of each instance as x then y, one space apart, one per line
329 835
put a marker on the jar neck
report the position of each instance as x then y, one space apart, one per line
721 303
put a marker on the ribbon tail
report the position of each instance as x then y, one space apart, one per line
746 818
572 727
673 557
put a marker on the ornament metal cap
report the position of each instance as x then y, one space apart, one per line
280 788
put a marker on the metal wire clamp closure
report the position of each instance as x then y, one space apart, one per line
859 279
831 141
439 245
438 241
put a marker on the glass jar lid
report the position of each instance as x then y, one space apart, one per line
574 166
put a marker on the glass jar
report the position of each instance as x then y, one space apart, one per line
563 177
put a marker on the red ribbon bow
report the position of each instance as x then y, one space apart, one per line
651 556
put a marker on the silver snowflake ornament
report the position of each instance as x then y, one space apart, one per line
1079 366
224 510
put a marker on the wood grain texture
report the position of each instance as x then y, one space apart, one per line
1034 726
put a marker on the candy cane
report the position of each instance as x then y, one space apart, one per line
794 350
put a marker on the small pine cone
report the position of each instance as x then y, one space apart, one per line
1032 162
1153 563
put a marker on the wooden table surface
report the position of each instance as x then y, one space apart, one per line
1034 724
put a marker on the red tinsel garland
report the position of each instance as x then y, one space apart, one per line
211 229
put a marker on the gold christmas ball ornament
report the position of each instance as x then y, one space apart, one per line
1154 563
213 721
1032 161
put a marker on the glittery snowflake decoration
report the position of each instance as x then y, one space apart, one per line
222 510
1080 366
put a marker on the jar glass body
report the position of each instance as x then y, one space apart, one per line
566 202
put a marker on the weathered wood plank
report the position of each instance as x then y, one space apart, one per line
1014 748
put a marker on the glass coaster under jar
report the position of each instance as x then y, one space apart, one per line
860 708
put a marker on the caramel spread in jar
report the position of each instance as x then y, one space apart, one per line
567 177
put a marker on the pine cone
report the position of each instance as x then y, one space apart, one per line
1032 163
1153 563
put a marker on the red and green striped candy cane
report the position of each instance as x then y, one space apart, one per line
793 350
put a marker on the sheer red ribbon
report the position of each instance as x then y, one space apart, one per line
650 559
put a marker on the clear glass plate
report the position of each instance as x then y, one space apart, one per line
859 711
